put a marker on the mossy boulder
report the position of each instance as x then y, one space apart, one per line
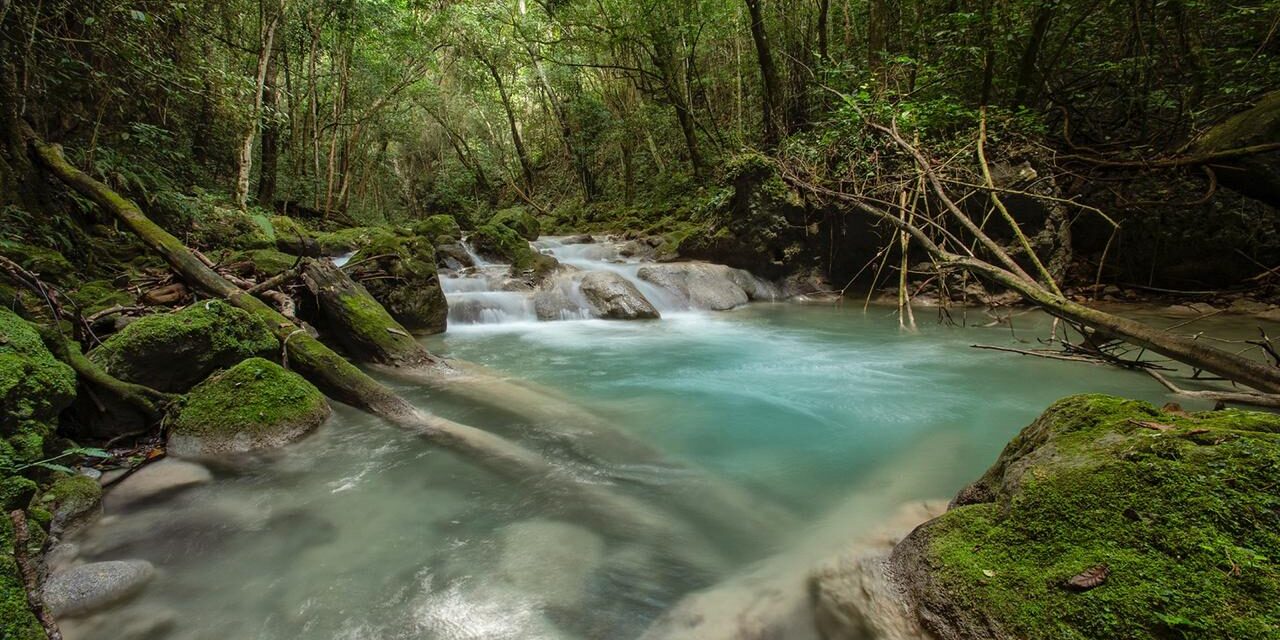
503 244
436 228
520 220
293 237
173 351
1255 175
219 227
34 388
264 262
336 243
400 273
96 295
73 501
1108 518
46 263
256 404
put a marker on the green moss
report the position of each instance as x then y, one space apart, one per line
34 388
225 227
173 351
437 227
16 620
520 220
96 295
402 278
347 240
256 397
71 495
266 262
503 243
1187 519
46 263
16 492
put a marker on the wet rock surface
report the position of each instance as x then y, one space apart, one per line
87 588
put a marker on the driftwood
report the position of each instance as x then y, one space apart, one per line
30 575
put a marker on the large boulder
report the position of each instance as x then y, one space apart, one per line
1255 175
519 220
400 273
34 388
342 241
87 588
173 351
708 286
503 244
616 298
436 228
1109 518
256 404
156 481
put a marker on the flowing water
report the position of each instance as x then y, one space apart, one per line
363 531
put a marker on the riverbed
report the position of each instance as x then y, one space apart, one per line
363 531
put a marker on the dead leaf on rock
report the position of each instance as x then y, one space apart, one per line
988 573
1089 578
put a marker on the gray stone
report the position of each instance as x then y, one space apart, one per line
87 588
615 298
155 480
549 561
703 285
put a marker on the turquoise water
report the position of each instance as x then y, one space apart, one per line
363 531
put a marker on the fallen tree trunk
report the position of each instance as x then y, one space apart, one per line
619 515
1235 368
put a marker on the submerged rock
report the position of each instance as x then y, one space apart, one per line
256 404
156 480
615 298
1108 518
551 562
87 588
173 351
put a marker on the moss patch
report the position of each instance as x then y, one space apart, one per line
46 263
1186 518
346 240
34 388
16 619
173 351
400 273
499 242
266 262
519 220
96 295
437 227
255 404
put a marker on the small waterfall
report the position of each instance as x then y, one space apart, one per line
486 294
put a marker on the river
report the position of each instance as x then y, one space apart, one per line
363 531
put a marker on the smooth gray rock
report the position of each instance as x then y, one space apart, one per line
550 562
89 587
703 285
154 480
615 298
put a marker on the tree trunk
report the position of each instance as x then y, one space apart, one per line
358 322
877 38
1027 66
245 158
771 89
270 136
665 63
526 165
824 10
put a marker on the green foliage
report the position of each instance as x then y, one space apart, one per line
34 388
1183 517
436 227
520 220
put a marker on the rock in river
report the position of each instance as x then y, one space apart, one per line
89 587
154 480
615 298
708 286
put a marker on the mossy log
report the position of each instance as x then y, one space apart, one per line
339 379
356 321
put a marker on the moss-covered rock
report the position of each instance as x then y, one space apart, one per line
1256 175
436 228
34 388
293 237
400 273
335 243
46 263
96 295
265 262
254 405
504 244
71 501
173 351
218 226
1179 515
520 220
